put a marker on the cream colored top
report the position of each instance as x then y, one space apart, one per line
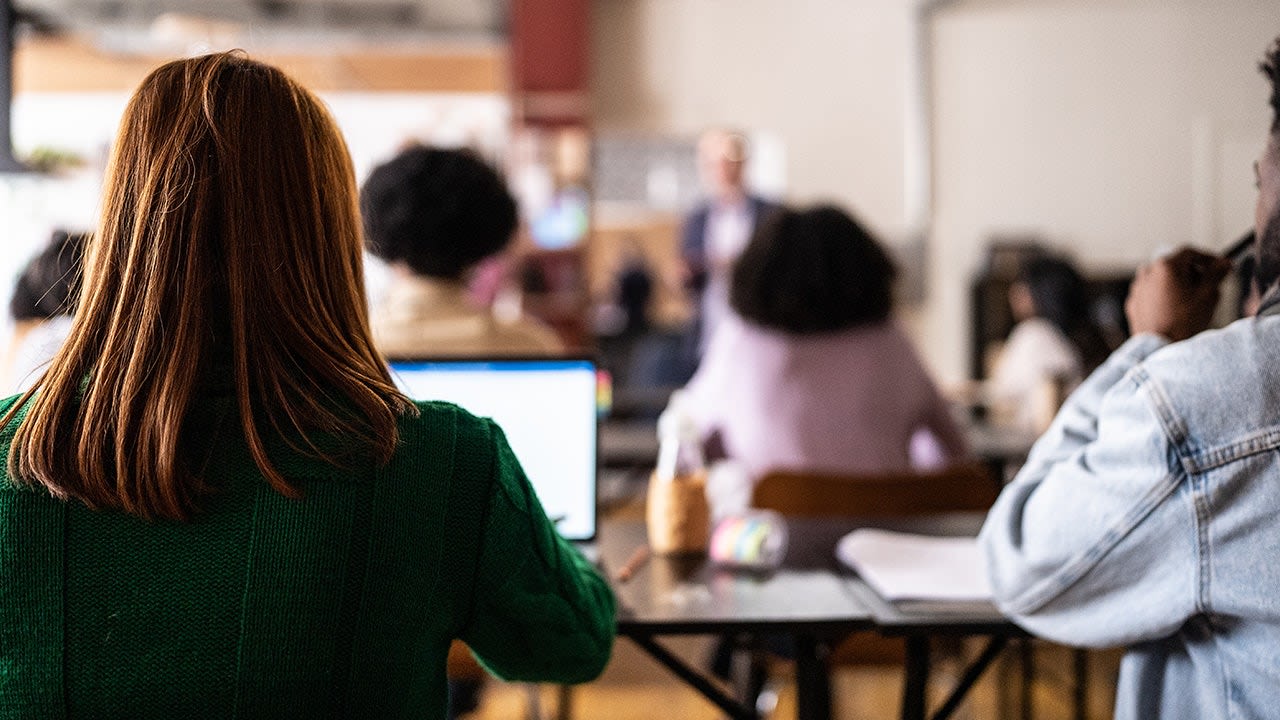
427 317
1036 368
31 347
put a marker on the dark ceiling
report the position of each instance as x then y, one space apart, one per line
138 23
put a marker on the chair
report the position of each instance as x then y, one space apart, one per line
960 488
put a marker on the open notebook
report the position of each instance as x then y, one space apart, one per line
919 572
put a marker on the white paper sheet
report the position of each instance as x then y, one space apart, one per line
902 566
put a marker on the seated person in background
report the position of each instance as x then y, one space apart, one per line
1050 350
43 301
810 372
433 215
1146 516
634 292
215 503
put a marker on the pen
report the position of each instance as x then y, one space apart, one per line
633 563
1239 248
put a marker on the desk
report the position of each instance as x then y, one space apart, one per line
688 596
919 628
811 598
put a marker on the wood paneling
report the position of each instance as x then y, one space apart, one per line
66 65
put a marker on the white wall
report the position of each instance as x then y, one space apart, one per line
825 77
1115 130
1112 127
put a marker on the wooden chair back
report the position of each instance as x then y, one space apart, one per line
960 488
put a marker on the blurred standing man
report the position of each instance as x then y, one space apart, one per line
1149 513
717 230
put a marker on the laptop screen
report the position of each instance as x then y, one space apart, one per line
546 408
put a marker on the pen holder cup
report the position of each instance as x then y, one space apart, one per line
752 540
677 514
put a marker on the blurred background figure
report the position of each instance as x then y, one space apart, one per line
810 372
626 313
41 307
635 289
1052 348
646 359
718 229
433 215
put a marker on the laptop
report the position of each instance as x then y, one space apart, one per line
549 410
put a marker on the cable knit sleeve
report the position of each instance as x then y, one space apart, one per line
539 611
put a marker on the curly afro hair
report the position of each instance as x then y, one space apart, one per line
438 211
812 271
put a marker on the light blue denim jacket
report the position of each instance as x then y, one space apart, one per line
1148 516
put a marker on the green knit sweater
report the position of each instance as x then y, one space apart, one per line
342 604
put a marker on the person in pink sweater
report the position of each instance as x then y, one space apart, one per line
811 372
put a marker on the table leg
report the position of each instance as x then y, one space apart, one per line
748 669
533 695
813 681
970 677
564 707
1011 683
1080 658
694 679
915 686
1026 654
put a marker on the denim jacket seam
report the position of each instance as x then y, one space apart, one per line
1204 548
1181 457
1196 465
1229 693
1214 457
1043 592
1175 429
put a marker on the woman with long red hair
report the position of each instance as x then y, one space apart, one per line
215 502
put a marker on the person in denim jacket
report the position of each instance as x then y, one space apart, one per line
1148 515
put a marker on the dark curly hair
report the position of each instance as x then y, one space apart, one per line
1057 290
49 284
1270 67
812 271
438 211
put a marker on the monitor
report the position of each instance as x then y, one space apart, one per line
548 410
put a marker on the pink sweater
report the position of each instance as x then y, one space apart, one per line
845 402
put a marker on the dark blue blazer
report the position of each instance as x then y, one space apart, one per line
693 243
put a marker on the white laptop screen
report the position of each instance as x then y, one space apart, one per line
548 411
